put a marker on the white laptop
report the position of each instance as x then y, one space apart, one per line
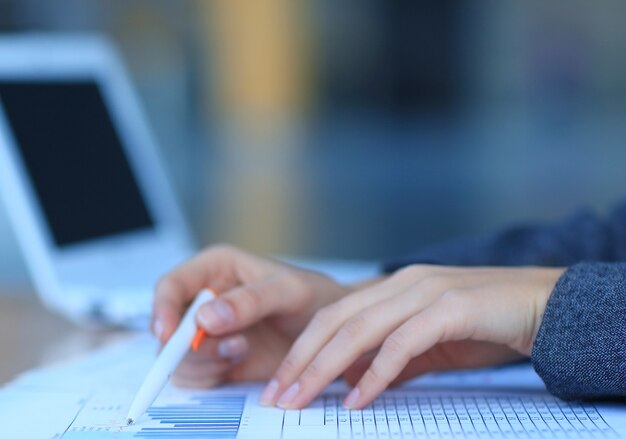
88 198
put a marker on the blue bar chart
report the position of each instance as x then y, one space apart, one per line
187 415
203 416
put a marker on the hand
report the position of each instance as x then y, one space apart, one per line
421 319
262 305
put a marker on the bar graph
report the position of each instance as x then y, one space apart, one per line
202 416
186 415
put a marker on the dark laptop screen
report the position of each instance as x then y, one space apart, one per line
75 160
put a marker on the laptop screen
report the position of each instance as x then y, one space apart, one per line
74 157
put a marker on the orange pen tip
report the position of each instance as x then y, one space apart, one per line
198 339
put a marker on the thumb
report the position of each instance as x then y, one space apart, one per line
246 305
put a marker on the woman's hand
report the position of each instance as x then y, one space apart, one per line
262 305
421 319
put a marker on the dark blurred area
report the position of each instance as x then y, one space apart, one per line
366 129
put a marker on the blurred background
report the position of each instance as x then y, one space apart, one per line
365 129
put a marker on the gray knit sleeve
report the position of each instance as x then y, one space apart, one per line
583 236
580 350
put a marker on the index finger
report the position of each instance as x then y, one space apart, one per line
212 268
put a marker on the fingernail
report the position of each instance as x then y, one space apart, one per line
233 347
269 393
216 314
289 395
352 398
157 328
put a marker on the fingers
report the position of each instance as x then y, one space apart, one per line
231 348
420 333
201 374
234 348
463 354
337 337
357 336
327 321
355 371
214 359
245 305
214 267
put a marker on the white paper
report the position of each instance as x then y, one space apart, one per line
31 414
89 399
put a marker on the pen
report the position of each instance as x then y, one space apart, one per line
173 351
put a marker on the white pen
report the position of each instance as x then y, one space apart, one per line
167 361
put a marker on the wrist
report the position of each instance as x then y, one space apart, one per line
552 275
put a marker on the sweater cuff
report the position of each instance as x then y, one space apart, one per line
580 349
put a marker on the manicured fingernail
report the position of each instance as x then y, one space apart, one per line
352 398
157 328
269 393
216 314
233 347
289 395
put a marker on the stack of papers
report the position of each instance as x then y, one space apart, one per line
89 398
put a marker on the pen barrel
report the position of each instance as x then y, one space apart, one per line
169 358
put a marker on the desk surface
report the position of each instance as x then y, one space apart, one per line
31 335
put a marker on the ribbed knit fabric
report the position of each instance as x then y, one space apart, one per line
580 351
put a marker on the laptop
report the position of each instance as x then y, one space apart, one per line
90 203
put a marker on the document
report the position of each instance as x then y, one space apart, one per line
89 399
405 413
33 414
